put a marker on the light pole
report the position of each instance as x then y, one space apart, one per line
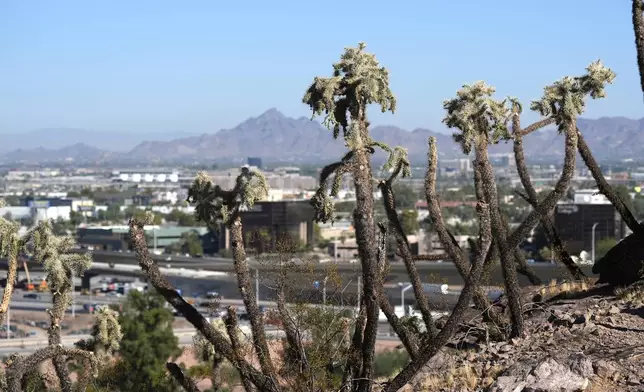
73 299
592 233
257 286
154 234
359 290
342 293
403 289
324 290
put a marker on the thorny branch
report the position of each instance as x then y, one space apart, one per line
638 29
161 284
213 205
402 165
231 328
604 186
531 194
407 337
186 382
10 246
471 282
451 247
22 364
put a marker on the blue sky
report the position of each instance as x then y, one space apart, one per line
199 66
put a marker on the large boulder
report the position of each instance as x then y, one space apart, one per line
547 375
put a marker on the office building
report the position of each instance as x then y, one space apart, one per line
267 222
575 221
254 161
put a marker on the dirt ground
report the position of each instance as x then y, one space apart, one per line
79 325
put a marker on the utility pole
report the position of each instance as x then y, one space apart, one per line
324 290
593 239
257 286
359 290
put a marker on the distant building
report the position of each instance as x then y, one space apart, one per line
254 161
115 238
267 222
574 223
48 208
146 175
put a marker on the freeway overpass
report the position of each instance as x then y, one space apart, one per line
205 274
431 272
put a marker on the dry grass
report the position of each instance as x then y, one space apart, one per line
463 377
562 290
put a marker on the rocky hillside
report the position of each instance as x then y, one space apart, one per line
589 340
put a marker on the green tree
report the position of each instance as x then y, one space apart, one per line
76 218
137 213
189 242
406 196
111 214
59 227
603 246
192 243
182 218
409 222
148 341
545 253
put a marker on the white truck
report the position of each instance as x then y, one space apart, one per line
400 312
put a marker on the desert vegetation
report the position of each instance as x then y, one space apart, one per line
328 350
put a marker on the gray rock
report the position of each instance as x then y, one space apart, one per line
547 376
581 365
605 369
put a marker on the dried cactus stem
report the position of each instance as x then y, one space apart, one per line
186 382
21 365
220 343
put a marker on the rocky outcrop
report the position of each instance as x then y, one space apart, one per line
587 343
546 376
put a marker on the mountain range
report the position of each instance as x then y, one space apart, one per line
276 137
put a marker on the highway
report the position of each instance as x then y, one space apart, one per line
29 345
431 272
185 336
301 282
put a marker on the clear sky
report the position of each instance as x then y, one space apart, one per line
199 66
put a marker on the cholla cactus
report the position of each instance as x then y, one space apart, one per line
475 112
54 254
214 205
564 99
398 161
204 349
106 332
9 239
358 80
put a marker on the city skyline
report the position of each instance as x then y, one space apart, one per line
159 67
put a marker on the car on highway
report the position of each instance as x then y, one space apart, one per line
31 296
114 294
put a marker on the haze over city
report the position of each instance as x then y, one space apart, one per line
321 197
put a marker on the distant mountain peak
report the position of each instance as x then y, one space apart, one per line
271 114
275 136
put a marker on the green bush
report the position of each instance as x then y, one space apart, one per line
389 362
